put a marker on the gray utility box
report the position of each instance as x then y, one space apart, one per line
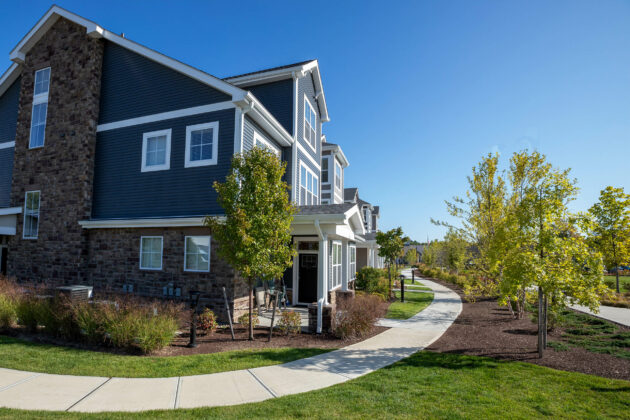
76 293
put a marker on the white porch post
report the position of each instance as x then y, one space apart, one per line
345 260
372 259
322 283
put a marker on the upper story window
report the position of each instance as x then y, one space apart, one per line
337 175
151 248
353 262
308 187
156 150
260 141
202 144
40 108
335 280
197 253
31 215
310 124
325 170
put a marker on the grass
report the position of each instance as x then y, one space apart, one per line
36 357
624 282
425 385
414 303
593 334
416 286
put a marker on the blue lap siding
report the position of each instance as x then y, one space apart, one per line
249 127
9 103
122 191
277 97
133 86
6 172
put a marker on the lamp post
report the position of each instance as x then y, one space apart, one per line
402 288
194 303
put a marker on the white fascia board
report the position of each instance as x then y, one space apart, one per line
95 31
7 145
271 75
353 215
10 210
9 76
336 149
257 111
142 223
319 92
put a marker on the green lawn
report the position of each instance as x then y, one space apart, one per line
592 333
35 357
414 303
417 286
426 385
624 283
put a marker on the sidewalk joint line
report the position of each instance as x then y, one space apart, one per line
273 394
179 387
88 394
21 381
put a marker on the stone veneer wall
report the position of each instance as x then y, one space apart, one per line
63 168
114 261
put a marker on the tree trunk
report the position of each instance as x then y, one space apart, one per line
540 322
251 304
509 301
617 273
545 306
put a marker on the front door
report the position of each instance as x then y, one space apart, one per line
307 278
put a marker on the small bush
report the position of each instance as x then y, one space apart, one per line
90 321
290 322
356 317
207 321
371 280
244 319
8 315
154 333
28 311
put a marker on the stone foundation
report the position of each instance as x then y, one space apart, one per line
327 316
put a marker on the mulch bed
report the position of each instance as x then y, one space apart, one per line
486 329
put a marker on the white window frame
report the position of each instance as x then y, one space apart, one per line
167 160
39 99
30 213
338 166
186 252
260 139
337 249
307 102
352 262
316 187
327 160
215 144
142 238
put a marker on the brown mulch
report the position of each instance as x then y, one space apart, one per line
486 329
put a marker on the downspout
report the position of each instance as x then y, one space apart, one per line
321 299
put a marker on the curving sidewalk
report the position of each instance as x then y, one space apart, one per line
38 391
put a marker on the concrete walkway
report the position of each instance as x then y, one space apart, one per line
35 391
618 315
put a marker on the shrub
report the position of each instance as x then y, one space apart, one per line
371 280
207 321
28 311
290 322
90 320
154 333
244 320
7 312
356 317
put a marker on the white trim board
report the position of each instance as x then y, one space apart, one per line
7 145
142 223
309 156
185 112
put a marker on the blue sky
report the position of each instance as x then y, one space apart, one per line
417 91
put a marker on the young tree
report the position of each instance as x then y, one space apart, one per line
455 250
391 244
255 235
610 230
544 250
411 256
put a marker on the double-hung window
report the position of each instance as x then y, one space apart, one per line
151 252
197 253
260 141
353 262
310 124
31 215
40 108
202 144
156 150
324 169
336 265
337 175
309 184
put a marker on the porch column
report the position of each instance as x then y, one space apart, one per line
345 260
322 283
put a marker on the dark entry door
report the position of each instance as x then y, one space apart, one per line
307 277
3 261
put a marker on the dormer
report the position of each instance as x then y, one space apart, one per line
334 162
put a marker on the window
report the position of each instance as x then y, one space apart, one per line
310 124
336 265
197 253
40 108
337 175
31 215
151 252
260 141
353 262
308 187
156 151
325 169
202 144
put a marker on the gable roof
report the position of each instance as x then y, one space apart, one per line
284 67
350 194
335 148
